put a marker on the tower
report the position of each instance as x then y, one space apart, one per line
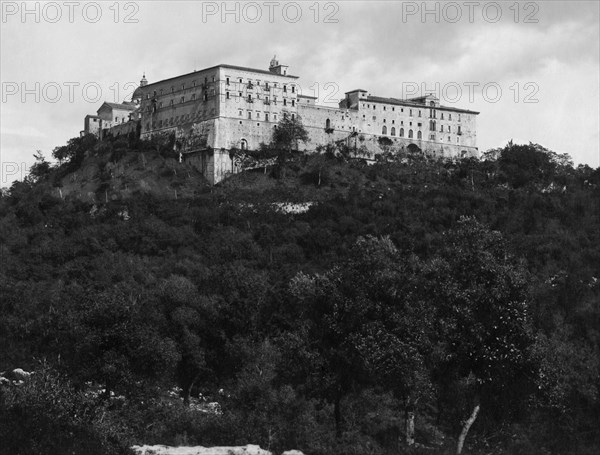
276 68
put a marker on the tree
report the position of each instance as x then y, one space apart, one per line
479 291
366 328
286 136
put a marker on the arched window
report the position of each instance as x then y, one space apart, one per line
432 125
393 132
410 134
244 144
419 135
327 124
401 132
384 130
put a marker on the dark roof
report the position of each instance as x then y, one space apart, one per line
356 90
399 102
241 68
307 96
91 116
126 106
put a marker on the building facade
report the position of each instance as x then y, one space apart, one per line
231 107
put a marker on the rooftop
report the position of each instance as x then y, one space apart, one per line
224 65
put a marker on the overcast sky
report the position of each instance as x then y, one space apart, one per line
532 70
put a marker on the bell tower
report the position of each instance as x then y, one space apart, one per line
276 68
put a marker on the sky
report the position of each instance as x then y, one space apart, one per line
532 69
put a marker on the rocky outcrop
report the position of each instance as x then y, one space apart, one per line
198 450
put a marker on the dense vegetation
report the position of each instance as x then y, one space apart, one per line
414 293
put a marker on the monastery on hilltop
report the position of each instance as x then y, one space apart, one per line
238 107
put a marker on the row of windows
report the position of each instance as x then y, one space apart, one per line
410 112
266 85
257 115
432 127
393 132
266 100
249 85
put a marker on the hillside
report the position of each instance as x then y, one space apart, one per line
328 308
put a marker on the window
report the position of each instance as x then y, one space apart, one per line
249 98
240 112
155 92
240 80
327 124
441 128
419 113
193 83
442 116
244 144
285 88
182 86
226 95
194 96
449 129
116 119
449 139
258 116
182 99
449 116
384 130
459 131
393 122
275 117
293 103
410 112
249 114
240 94
293 89
171 103
374 107
284 102
419 135
160 105
266 116
393 109
266 86
384 108
172 89
432 125
393 132
410 134
293 116
374 117
227 81
383 120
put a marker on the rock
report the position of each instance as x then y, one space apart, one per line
199 450
19 373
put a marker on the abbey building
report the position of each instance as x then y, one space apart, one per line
234 107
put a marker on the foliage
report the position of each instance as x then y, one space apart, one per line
409 284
